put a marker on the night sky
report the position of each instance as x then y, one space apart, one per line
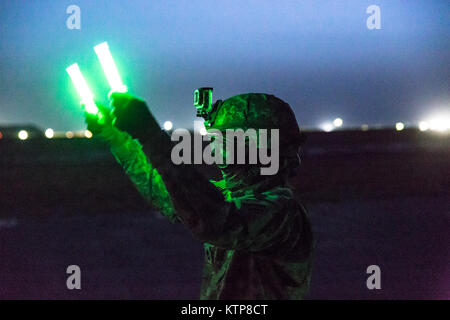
318 56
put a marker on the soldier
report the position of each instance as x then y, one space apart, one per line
257 236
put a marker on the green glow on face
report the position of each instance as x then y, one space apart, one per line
87 98
109 68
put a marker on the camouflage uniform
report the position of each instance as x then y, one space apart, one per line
256 234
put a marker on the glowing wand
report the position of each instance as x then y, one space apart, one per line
109 68
87 98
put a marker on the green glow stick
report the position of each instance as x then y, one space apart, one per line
109 68
87 98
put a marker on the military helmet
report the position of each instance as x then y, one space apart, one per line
257 111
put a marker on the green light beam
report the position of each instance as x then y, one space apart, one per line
87 98
109 68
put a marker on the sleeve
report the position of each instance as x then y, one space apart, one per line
258 225
266 226
128 153
270 226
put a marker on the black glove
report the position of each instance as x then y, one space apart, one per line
97 123
132 115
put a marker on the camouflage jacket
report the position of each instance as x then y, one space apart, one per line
256 246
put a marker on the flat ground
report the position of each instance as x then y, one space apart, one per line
67 202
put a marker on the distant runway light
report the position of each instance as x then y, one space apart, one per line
87 134
203 131
23 135
441 124
49 133
399 126
69 134
423 126
327 127
338 122
364 127
168 125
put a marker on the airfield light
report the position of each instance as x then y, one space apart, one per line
168 125
23 135
87 134
49 133
87 98
203 131
327 127
109 68
69 134
440 124
399 126
338 122
424 126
